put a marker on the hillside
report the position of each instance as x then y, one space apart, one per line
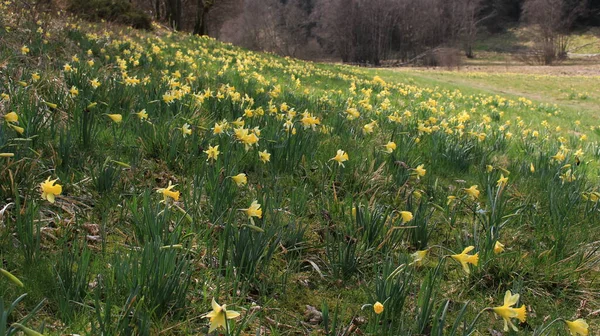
147 178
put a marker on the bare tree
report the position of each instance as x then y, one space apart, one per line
468 18
358 30
551 21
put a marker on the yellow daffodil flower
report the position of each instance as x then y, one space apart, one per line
117 118
11 117
254 210
507 312
420 170
186 130
212 152
578 327
218 129
465 259
17 129
472 191
219 316
95 83
502 180
50 189
24 50
498 247
240 179
407 216
310 121
418 257
51 105
169 193
531 168
378 308
142 114
390 147
368 128
340 157
264 156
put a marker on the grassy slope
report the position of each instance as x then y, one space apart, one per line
577 96
323 253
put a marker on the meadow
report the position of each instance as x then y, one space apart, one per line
158 183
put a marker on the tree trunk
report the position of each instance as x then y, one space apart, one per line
157 3
172 13
200 27
178 15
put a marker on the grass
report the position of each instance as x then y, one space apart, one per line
519 38
144 132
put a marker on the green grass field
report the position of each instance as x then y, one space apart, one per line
156 183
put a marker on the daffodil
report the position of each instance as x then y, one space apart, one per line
17 129
50 189
73 91
390 147
212 152
254 210
264 156
142 114
186 130
340 157
378 308
51 105
507 312
472 191
95 83
465 259
11 117
24 50
168 192
368 128
418 257
219 316
240 179
498 247
420 170
309 121
578 327
407 216
117 118
219 128
502 180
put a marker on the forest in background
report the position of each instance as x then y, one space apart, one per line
371 32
